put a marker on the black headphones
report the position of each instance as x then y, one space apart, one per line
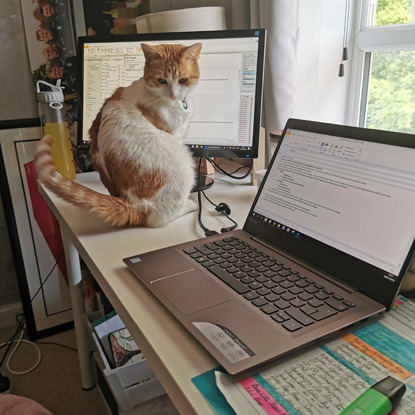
226 210
223 208
229 228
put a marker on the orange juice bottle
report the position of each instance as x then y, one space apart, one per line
53 121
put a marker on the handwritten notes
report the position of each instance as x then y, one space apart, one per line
323 381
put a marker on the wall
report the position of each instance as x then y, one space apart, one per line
18 95
17 102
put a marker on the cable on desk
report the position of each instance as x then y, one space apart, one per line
231 175
225 210
221 207
208 232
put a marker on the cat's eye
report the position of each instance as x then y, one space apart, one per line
183 80
161 81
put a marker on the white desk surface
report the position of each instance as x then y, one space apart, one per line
172 353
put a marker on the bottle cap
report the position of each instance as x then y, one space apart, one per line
55 94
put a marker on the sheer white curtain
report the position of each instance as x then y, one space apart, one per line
281 20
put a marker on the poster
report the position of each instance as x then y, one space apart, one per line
35 236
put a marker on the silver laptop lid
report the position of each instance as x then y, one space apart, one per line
343 199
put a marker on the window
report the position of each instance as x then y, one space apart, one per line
382 93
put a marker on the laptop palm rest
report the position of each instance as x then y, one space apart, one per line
189 291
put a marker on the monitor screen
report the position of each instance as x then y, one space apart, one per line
227 99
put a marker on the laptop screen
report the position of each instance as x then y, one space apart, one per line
354 196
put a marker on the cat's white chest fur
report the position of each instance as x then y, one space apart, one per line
177 116
175 113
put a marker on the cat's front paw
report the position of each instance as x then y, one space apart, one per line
190 207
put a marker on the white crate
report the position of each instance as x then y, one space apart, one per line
130 384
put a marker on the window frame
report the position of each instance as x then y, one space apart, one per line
366 39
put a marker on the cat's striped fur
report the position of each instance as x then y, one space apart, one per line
136 145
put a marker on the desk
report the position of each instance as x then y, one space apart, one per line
172 353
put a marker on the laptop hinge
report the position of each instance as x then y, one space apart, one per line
349 288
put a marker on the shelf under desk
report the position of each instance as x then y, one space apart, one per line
172 353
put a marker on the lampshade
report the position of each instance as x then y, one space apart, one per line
182 20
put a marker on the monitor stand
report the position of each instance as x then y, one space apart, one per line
204 183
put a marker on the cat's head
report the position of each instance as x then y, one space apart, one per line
171 71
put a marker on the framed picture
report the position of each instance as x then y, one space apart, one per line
51 29
34 233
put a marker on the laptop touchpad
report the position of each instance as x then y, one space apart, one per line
191 291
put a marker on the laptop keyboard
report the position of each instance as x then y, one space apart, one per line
288 297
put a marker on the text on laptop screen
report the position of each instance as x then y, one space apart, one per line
226 101
346 193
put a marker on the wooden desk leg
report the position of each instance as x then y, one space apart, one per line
78 310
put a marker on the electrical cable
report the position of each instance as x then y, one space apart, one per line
58 344
19 341
231 175
207 231
9 343
221 207
47 277
21 327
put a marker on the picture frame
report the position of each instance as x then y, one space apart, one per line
51 32
34 233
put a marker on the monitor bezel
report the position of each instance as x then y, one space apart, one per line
169 36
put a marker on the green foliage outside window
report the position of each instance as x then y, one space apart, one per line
391 104
393 12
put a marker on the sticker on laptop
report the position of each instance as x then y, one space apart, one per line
225 341
135 260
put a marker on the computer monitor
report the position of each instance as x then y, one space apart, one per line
227 100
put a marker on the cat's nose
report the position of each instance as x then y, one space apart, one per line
173 93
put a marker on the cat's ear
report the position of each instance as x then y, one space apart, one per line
193 52
149 51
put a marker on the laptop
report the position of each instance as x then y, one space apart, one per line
325 247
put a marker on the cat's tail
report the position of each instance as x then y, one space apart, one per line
110 209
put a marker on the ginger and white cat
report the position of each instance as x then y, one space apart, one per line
136 145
